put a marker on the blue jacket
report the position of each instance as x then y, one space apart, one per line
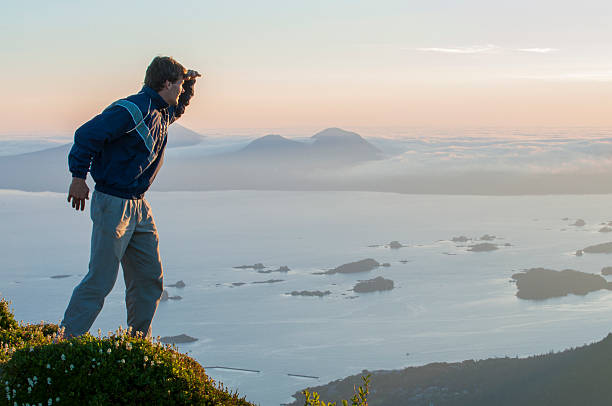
123 147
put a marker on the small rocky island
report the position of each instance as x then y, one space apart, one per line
269 281
461 238
605 248
317 293
179 339
377 284
179 284
485 246
364 265
255 266
579 223
395 245
165 296
283 269
542 283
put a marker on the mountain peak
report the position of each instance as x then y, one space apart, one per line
335 132
273 141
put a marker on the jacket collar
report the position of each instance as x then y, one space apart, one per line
158 101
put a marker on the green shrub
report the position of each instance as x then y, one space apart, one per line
37 366
360 398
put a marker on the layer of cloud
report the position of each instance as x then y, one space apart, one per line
478 49
538 50
523 154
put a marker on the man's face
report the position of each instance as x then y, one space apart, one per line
172 91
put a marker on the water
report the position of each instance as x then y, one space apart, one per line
443 308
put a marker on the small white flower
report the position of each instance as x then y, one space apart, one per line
48 381
57 399
48 366
49 402
29 389
152 362
123 361
128 346
100 350
30 382
146 358
63 357
71 367
31 349
108 351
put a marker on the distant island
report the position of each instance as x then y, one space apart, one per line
395 245
317 293
377 284
179 339
605 248
364 265
485 246
283 269
575 377
255 266
461 238
542 283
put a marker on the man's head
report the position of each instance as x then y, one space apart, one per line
165 76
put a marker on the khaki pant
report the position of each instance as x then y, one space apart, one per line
123 232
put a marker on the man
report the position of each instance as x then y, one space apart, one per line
123 148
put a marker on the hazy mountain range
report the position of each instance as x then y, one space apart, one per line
335 159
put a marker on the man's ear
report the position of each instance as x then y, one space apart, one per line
167 85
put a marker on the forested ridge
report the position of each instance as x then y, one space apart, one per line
577 376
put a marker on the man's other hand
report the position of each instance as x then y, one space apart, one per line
191 74
78 193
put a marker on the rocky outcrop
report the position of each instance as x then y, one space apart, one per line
269 281
461 238
485 246
364 265
283 269
179 339
165 296
255 266
605 248
395 245
179 284
317 293
377 284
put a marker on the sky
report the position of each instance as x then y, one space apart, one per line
342 63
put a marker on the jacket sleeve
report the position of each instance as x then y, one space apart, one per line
89 139
183 100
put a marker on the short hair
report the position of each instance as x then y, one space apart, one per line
163 68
